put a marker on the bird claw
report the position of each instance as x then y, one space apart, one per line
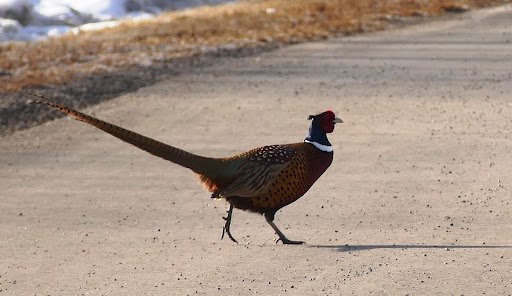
227 226
289 242
225 230
282 237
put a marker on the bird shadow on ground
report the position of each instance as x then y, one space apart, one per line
352 248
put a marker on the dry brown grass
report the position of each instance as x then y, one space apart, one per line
250 23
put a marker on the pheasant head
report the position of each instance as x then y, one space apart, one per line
322 124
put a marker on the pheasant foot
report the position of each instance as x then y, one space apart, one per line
226 228
282 237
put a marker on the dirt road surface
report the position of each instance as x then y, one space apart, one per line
418 200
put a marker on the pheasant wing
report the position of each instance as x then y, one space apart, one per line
260 170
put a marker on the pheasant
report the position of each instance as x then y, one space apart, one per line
261 180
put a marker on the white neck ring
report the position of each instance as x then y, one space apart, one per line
322 147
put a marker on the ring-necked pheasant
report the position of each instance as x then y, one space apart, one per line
261 180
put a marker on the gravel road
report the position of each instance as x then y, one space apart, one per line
417 201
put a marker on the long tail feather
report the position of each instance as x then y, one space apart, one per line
199 164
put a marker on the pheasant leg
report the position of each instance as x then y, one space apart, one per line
226 228
282 238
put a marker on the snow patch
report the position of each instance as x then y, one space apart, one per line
27 20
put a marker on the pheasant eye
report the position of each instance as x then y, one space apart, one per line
327 116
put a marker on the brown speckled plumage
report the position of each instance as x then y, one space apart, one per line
297 167
261 180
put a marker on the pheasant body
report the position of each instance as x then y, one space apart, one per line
301 165
261 180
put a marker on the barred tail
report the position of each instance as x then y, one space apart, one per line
199 164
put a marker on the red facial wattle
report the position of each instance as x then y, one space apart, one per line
326 122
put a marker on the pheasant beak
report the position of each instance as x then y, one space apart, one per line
337 120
